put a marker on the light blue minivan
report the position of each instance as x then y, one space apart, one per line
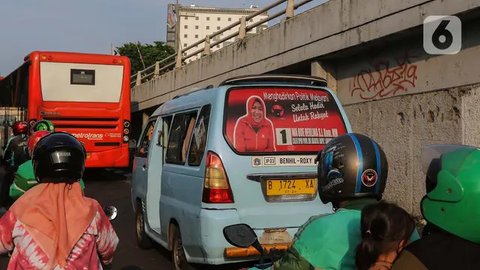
242 152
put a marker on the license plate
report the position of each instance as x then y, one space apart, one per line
277 187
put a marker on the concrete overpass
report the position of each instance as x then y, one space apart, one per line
371 52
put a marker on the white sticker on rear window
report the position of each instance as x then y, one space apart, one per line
283 161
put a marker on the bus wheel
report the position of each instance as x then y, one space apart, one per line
178 253
143 240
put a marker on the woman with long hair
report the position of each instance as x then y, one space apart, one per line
386 229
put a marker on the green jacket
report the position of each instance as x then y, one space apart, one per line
327 242
25 179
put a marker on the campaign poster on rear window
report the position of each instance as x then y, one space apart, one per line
267 120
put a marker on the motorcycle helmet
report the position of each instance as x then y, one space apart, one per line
20 127
33 140
58 158
351 166
452 199
44 125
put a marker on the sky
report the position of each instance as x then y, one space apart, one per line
91 26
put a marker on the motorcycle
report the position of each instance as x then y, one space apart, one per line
243 236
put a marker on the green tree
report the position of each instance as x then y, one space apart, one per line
145 55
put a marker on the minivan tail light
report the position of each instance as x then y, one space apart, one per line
216 188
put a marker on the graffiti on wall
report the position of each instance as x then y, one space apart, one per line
384 78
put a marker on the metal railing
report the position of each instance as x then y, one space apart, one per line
178 59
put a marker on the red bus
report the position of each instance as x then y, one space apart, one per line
86 95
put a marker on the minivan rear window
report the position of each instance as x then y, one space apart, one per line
263 120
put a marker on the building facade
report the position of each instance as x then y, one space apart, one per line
195 23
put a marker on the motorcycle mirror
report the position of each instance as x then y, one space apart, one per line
242 235
111 212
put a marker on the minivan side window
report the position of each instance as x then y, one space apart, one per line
164 131
179 137
199 140
146 138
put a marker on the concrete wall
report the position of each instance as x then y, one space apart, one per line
403 124
406 99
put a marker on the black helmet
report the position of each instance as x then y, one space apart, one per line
351 166
58 158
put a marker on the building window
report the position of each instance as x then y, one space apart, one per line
186 18
218 27
196 18
208 18
196 36
196 26
218 46
207 27
185 36
218 18
185 26
229 19
184 45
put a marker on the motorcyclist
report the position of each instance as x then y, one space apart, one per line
15 154
352 173
15 151
53 225
43 124
451 207
24 176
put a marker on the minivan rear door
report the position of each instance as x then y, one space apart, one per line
275 134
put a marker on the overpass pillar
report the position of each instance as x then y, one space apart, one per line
320 69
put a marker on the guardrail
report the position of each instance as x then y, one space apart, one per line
178 59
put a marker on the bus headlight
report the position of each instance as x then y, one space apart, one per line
125 138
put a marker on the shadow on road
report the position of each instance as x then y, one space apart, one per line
105 174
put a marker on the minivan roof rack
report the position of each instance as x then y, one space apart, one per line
194 90
276 78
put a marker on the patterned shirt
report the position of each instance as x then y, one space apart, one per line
95 246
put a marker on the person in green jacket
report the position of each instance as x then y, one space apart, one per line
43 125
451 206
352 173
24 178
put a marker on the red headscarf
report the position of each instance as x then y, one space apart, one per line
249 117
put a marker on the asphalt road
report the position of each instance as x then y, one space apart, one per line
113 188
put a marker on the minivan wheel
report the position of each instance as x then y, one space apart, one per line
143 240
178 253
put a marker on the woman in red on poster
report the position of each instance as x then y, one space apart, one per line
253 132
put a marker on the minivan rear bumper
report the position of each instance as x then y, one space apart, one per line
213 243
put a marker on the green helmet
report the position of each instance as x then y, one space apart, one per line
452 201
44 125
